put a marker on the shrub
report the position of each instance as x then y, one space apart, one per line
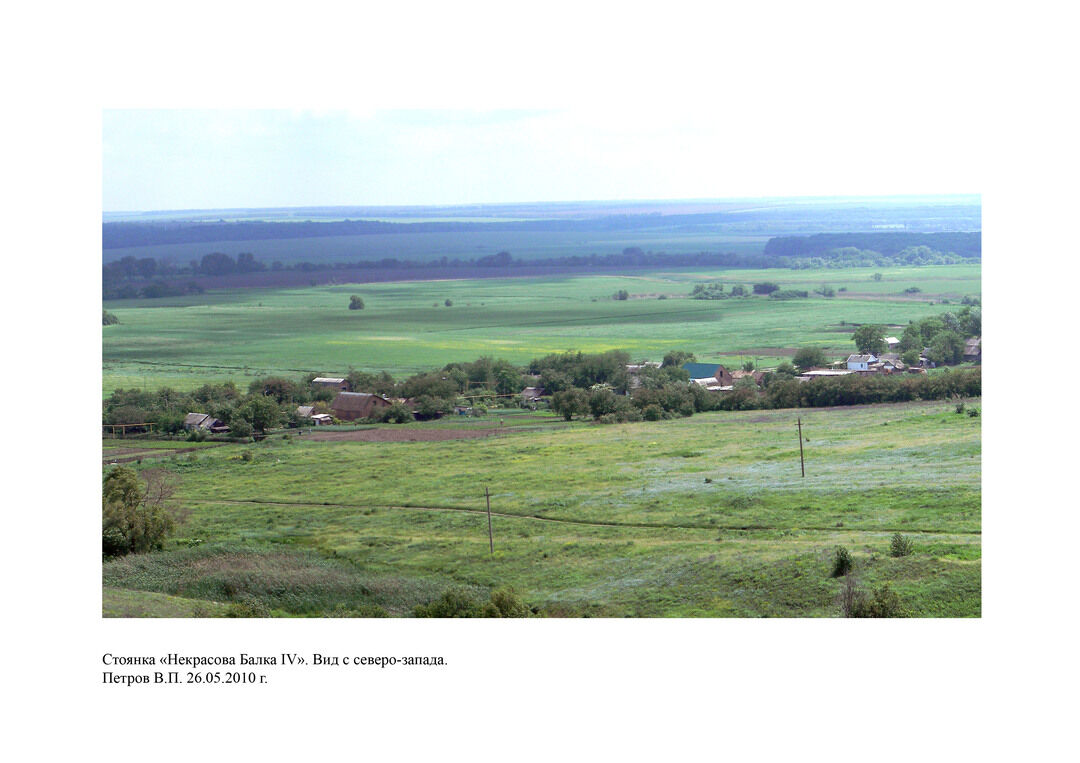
900 545
652 412
247 606
455 602
960 407
108 319
449 303
247 456
505 603
356 302
621 295
398 413
912 290
884 602
842 562
766 288
973 412
789 294
360 610
241 428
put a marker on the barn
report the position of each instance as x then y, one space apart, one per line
350 406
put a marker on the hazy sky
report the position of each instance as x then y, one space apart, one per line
188 159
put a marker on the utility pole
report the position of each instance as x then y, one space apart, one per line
802 463
491 538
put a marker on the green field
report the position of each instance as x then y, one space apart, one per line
406 328
704 516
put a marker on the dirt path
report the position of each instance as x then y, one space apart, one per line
582 522
405 435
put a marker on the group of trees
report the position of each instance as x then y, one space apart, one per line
941 336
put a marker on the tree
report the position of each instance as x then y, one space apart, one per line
870 339
622 294
947 348
449 303
809 357
261 412
911 357
748 366
356 302
676 359
876 276
570 402
135 516
766 288
108 319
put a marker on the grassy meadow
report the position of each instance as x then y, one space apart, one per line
703 516
406 327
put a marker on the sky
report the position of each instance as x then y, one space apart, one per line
155 159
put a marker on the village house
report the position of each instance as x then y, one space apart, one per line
531 394
316 419
973 350
331 382
757 376
711 376
633 371
205 422
350 406
892 342
860 362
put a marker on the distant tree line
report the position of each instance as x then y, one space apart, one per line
967 245
131 277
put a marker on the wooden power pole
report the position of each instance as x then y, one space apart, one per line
802 463
491 538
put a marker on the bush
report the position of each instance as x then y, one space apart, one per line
900 545
842 562
247 456
621 295
973 413
398 413
789 294
108 319
240 428
247 606
960 407
505 603
883 603
449 303
356 302
455 602
458 602
766 288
